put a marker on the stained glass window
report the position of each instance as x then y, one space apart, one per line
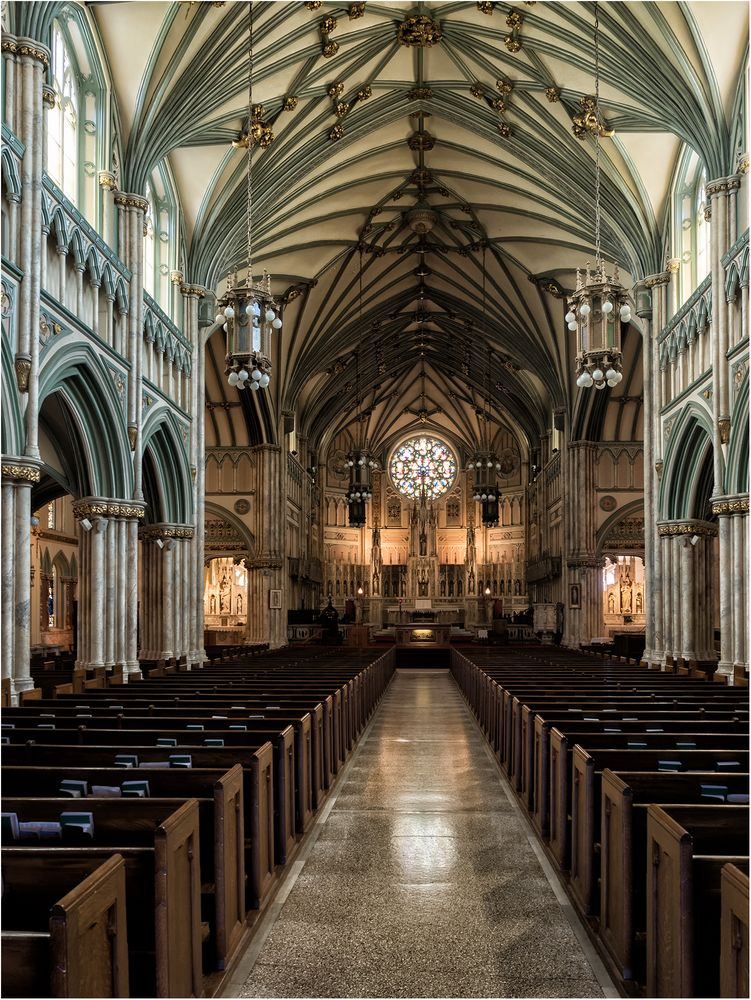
423 466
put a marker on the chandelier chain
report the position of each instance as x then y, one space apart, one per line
598 255
249 202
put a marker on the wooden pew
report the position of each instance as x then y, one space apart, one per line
258 790
734 932
687 847
710 749
623 830
162 899
84 953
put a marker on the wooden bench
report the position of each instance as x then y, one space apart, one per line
687 847
162 898
84 952
733 932
622 827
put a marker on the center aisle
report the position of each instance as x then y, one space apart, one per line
422 880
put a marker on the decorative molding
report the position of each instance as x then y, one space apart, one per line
723 184
23 373
131 201
723 425
701 528
107 180
730 505
419 31
132 436
26 47
151 532
197 290
102 507
21 473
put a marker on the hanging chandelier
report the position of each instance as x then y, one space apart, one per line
360 465
600 305
486 468
248 312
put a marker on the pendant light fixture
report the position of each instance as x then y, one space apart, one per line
248 312
600 305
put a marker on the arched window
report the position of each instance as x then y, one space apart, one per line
691 236
160 239
423 467
74 125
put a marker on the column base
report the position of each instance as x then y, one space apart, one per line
17 685
131 668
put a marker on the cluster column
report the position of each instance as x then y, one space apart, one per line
267 592
107 584
732 513
165 562
18 477
687 562
583 623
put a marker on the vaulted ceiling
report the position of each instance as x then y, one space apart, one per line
421 208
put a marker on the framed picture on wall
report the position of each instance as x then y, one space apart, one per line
574 596
275 599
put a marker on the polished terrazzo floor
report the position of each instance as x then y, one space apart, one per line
422 879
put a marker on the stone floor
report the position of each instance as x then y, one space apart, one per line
420 878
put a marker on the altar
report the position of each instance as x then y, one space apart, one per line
423 635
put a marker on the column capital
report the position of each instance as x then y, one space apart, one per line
163 531
722 185
737 504
29 48
103 507
689 527
195 291
124 200
21 470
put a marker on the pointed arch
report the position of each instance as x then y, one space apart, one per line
168 482
688 476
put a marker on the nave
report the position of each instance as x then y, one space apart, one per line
421 878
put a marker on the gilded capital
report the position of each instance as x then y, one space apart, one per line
23 373
21 473
124 200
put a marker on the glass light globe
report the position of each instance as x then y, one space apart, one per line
489 464
612 383
357 496
229 312
484 496
572 327
470 465
491 496
607 306
626 317
269 315
588 380
477 497
242 375
585 309
361 461
232 378
255 386
219 318
610 373
597 375
570 316
256 375
265 379
625 310
582 380
276 323
599 385
618 377
224 327
498 466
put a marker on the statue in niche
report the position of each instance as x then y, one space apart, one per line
443 586
517 588
239 604
386 588
402 584
611 603
503 588
459 587
626 595
212 604
471 582
451 585
224 588
639 603
338 589
423 543
376 583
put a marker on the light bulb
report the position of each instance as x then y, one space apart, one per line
582 380
618 377
256 375
585 309
357 496
254 386
232 378
570 316
242 375
229 312
588 380
572 327
269 315
607 306
610 373
361 461
477 497
626 317
612 383
498 466
219 318
491 496
597 375
490 464
470 465
265 379
277 323
625 310
484 496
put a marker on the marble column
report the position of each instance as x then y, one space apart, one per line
267 567
689 586
725 666
740 589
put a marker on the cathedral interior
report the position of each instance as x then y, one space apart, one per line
376 573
